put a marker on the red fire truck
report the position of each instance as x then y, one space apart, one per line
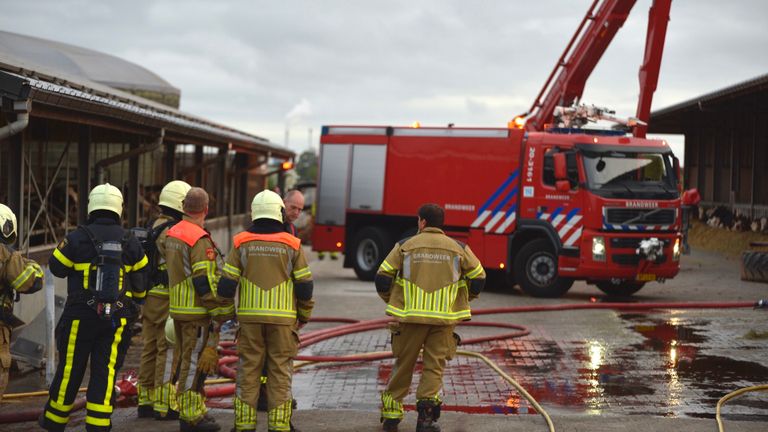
544 199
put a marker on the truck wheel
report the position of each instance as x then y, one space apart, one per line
371 246
536 270
621 289
754 266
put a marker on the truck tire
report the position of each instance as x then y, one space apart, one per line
621 289
536 270
754 266
371 246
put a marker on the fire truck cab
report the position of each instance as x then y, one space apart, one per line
547 208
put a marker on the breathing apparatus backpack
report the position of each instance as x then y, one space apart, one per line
105 283
147 236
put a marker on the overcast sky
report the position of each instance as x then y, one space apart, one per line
264 66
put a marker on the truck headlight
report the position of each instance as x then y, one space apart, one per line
598 249
676 249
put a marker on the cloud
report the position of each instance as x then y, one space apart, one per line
247 62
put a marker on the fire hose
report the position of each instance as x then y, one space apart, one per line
354 326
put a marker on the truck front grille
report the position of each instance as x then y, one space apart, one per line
621 216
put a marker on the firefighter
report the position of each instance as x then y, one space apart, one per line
427 282
275 301
293 205
192 264
17 275
157 395
105 269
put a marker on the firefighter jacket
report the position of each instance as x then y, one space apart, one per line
434 278
191 259
74 259
17 275
273 274
156 307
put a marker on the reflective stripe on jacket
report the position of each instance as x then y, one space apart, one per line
431 272
73 259
274 278
191 258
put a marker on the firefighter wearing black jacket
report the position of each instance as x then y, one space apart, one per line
106 277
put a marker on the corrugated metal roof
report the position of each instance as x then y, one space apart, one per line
84 80
102 100
76 63
749 86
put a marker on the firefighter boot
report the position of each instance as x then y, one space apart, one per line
389 425
429 412
293 429
145 411
170 415
206 424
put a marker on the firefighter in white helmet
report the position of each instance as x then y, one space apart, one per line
193 263
275 301
17 275
105 269
157 394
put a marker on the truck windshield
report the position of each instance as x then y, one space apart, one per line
621 174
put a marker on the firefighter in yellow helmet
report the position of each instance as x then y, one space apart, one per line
427 282
157 394
275 300
17 275
105 268
197 310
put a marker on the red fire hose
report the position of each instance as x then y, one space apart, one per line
354 326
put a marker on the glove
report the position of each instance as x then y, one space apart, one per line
208 362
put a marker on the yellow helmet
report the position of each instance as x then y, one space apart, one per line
268 205
173 194
170 331
7 225
105 197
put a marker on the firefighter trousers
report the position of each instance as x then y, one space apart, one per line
5 357
276 345
191 338
102 342
438 344
157 356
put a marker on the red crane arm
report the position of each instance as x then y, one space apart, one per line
658 17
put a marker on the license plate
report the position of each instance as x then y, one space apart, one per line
646 277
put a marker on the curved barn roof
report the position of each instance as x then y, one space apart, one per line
73 62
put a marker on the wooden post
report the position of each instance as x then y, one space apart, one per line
84 173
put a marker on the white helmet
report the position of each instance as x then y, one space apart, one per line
172 195
267 204
105 197
170 331
7 225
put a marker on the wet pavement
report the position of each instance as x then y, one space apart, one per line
676 363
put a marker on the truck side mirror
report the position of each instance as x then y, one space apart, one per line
561 170
563 185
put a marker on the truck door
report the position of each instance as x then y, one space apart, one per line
557 208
